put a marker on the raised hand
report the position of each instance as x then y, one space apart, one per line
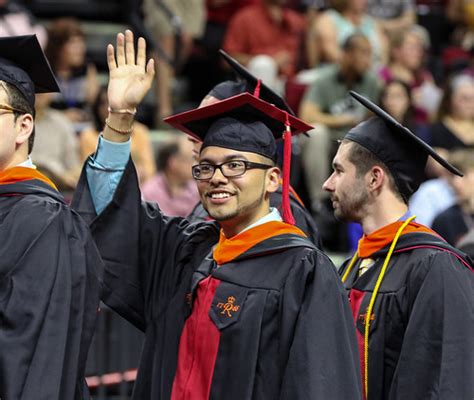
130 76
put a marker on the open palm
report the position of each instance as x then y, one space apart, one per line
130 76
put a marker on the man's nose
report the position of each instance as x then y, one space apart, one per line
218 177
328 185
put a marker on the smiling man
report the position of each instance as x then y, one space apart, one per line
250 310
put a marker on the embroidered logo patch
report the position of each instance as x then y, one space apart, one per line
229 308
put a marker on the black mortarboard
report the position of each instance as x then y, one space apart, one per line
24 65
404 153
247 83
245 123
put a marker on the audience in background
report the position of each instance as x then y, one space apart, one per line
192 19
454 127
407 53
66 52
346 17
173 187
267 38
56 149
453 223
393 16
141 147
17 20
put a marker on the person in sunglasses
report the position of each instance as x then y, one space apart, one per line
243 307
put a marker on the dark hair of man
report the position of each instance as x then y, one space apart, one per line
18 101
165 152
364 160
351 42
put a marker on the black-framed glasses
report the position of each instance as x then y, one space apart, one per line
229 169
10 109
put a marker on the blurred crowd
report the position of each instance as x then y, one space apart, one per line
414 58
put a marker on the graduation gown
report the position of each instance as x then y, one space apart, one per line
49 292
271 322
421 342
303 218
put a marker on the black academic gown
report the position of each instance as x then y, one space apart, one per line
303 218
49 294
421 342
292 336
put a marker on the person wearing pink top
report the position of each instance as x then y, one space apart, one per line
173 187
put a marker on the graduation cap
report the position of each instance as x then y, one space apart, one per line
404 153
247 83
24 65
244 123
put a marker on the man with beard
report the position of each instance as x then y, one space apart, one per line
411 293
49 288
250 310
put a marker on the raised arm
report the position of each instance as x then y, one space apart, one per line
130 78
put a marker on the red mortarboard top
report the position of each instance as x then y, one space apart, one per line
404 153
24 65
245 123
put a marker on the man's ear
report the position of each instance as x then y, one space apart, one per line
24 125
375 178
273 179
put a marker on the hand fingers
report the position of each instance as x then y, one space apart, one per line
120 49
150 68
111 57
141 54
129 47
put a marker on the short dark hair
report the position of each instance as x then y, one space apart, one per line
18 101
165 152
364 160
351 41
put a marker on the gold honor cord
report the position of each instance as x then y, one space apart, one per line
372 300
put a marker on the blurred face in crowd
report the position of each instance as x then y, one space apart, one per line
359 56
396 100
462 100
74 51
464 188
411 52
346 187
181 163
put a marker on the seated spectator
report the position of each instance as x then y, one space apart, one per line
453 223
396 99
17 20
66 51
328 104
191 14
56 149
406 63
173 187
267 38
141 147
347 17
455 123
393 16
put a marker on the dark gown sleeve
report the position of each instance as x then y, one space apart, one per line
324 335
142 249
49 296
437 356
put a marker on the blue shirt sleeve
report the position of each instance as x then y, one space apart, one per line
104 170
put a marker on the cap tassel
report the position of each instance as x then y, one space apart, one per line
256 91
287 214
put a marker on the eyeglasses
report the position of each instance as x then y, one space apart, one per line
229 169
11 109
